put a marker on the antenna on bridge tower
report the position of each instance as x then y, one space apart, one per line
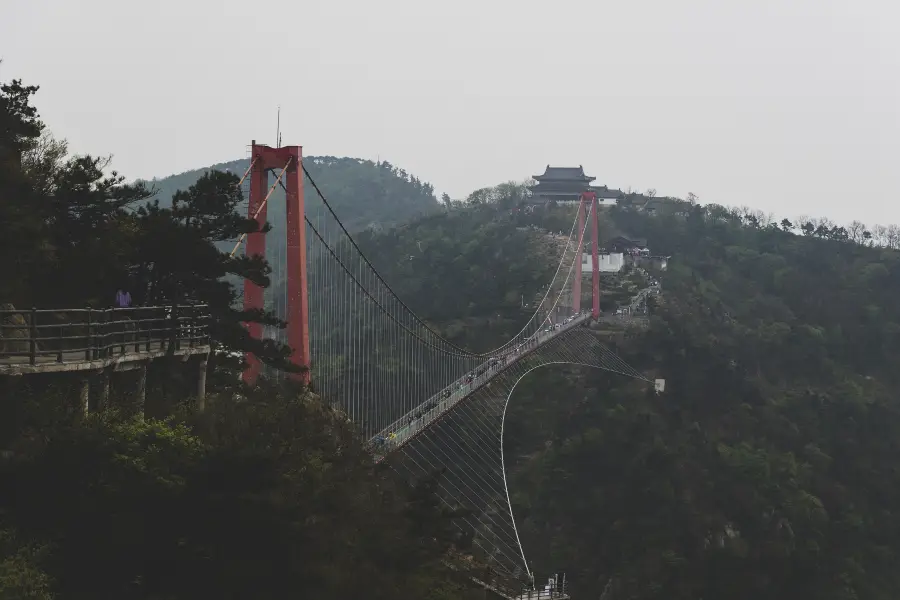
278 130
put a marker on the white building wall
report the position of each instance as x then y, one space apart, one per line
609 263
601 202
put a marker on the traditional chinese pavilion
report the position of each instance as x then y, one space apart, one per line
561 184
565 184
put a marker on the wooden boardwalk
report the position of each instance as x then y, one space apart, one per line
54 341
93 343
73 360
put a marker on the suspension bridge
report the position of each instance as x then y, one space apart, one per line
419 399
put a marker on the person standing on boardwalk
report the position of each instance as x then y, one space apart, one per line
123 299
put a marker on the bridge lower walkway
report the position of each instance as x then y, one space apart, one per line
461 444
414 422
411 424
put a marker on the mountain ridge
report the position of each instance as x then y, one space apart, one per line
362 193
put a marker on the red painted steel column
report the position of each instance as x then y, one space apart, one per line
576 284
595 234
256 245
298 299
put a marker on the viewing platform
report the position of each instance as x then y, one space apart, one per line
94 342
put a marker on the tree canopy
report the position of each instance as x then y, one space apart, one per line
267 493
258 499
766 467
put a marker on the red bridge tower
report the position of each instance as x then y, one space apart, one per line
588 205
263 159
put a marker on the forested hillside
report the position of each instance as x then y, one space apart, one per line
256 499
767 468
362 193
470 271
266 494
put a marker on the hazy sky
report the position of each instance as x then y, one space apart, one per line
784 105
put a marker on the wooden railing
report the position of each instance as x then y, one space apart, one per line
86 334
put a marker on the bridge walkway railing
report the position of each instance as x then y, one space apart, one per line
408 426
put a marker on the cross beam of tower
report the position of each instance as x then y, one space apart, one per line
588 205
264 158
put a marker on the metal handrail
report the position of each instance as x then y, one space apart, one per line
86 334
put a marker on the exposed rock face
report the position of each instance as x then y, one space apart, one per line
14 333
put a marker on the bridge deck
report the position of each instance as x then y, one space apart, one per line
408 426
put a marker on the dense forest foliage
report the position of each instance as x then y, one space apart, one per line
472 272
766 468
265 498
266 493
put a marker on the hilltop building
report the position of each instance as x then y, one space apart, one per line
564 185
609 262
659 205
627 245
635 252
